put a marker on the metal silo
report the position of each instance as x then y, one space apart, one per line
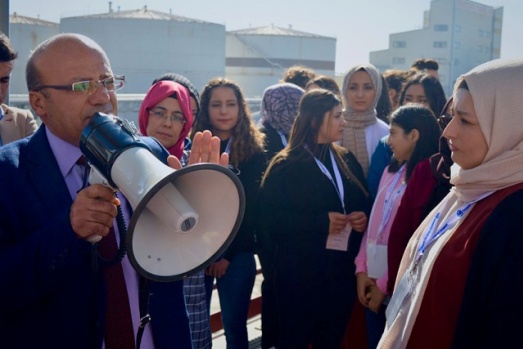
25 34
143 44
257 57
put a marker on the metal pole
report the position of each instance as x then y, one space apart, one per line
4 26
4 16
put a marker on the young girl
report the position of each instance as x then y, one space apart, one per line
312 193
225 112
414 135
428 185
422 89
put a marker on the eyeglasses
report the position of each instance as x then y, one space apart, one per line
162 114
88 87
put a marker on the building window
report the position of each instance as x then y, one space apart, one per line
399 44
398 60
457 28
481 33
488 34
440 44
441 27
457 45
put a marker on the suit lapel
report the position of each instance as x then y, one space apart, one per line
44 171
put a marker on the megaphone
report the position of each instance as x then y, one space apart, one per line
182 220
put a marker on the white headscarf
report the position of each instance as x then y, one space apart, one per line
375 77
354 132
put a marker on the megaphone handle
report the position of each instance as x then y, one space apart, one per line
94 239
95 177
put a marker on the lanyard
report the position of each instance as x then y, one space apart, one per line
390 199
339 187
283 138
431 234
228 146
231 166
1 117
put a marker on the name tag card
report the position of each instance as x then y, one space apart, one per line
376 260
339 242
404 288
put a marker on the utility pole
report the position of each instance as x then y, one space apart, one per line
4 16
4 26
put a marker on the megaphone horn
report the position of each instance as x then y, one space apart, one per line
183 219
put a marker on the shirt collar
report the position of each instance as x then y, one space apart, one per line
65 153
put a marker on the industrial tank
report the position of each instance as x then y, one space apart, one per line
257 57
143 44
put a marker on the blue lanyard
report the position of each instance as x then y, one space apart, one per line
283 138
390 199
431 234
228 146
1 117
339 187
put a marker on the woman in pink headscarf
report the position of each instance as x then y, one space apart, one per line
166 115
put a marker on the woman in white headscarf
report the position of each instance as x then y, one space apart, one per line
460 281
361 91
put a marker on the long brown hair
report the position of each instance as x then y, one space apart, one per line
314 105
247 140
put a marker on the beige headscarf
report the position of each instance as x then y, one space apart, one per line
496 92
354 131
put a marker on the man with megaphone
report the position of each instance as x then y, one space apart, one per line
54 292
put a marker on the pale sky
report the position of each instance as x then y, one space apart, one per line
360 26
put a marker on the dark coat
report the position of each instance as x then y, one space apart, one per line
48 297
315 287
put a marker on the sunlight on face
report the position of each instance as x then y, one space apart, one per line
402 144
360 92
331 129
466 139
416 94
223 111
165 129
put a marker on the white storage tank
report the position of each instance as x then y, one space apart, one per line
257 57
143 44
25 34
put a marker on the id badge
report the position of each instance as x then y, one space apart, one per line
376 260
339 242
398 297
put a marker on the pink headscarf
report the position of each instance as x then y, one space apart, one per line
157 93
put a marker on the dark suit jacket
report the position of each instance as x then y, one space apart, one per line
16 124
49 297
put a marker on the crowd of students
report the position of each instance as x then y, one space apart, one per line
349 194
